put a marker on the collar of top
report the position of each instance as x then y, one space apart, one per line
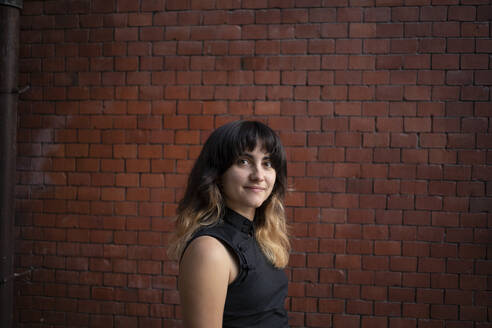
239 222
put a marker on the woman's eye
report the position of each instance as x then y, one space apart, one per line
268 164
242 161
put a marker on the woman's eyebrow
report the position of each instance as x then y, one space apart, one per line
248 154
245 154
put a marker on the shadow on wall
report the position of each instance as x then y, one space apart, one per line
96 192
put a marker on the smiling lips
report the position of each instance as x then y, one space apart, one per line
255 188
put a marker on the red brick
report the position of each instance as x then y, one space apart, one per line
359 307
361 247
448 312
371 135
389 30
474 29
430 296
387 308
424 171
375 46
345 321
350 262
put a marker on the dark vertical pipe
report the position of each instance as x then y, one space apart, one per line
9 53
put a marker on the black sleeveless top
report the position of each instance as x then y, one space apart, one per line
256 297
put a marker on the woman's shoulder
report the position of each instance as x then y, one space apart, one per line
207 254
217 238
205 247
211 239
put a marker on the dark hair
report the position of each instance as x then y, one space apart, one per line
220 151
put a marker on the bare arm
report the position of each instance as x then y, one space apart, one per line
206 270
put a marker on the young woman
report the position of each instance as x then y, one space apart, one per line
231 236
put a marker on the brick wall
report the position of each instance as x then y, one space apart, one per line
384 107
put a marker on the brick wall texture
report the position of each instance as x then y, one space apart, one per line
384 107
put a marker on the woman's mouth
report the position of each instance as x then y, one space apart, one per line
255 188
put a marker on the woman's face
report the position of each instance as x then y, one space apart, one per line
248 182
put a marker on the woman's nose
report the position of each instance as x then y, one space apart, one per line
257 172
